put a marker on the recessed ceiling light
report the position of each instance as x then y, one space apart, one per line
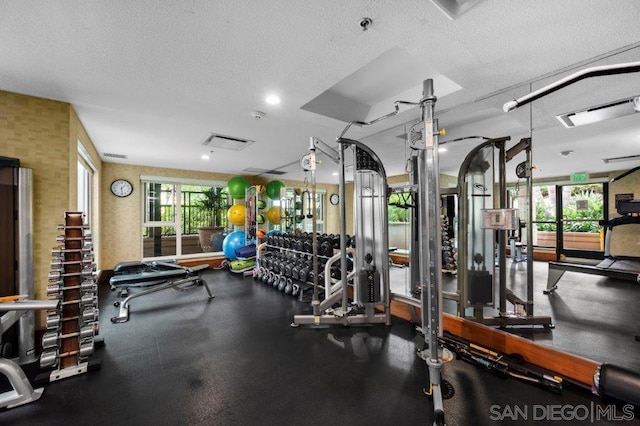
335 173
442 149
272 99
205 157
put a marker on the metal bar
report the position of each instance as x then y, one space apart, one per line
502 244
343 226
624 68
529 162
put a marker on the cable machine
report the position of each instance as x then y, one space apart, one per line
484 221
371 271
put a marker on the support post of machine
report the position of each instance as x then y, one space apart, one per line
343 229
431 245
414 263
502 234
529 163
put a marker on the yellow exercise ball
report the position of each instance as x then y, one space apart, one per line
274 215
235 214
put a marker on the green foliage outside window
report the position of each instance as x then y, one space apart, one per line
583 220
399 207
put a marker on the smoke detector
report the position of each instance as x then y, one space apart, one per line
258 115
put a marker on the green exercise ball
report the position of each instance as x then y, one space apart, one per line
237 186
273 189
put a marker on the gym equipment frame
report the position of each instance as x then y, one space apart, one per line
477 237
370 200
371 271
14 311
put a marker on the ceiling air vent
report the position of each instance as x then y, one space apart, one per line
215 140
258 171
594 114
111 155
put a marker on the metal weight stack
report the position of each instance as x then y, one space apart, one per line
69 340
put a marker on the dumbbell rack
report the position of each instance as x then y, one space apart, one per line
449 256
69 340
286 264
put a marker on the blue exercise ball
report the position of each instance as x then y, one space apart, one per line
232 242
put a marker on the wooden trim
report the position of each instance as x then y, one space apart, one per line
566 365
399 259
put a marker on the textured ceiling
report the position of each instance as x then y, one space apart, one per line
151 80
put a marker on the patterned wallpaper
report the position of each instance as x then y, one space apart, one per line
43 135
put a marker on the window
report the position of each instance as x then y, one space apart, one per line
572 210
182 218
399 212
307 223
298 210
86 169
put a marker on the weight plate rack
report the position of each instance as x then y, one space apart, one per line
69 340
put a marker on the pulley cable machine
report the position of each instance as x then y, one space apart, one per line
483 213
371 271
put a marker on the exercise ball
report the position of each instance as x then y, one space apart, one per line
235 214
261 204
260 219
274 215
237 185
273 189
231 243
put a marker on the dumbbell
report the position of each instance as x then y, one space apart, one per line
307 245
326 248
295 270
303 274
336 272
335 242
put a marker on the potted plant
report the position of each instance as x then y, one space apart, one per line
212 208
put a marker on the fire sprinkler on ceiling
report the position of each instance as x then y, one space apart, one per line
258 115
365 23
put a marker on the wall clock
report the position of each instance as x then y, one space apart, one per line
121 188
334 199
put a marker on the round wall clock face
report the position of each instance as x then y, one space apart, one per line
121 188
334 199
